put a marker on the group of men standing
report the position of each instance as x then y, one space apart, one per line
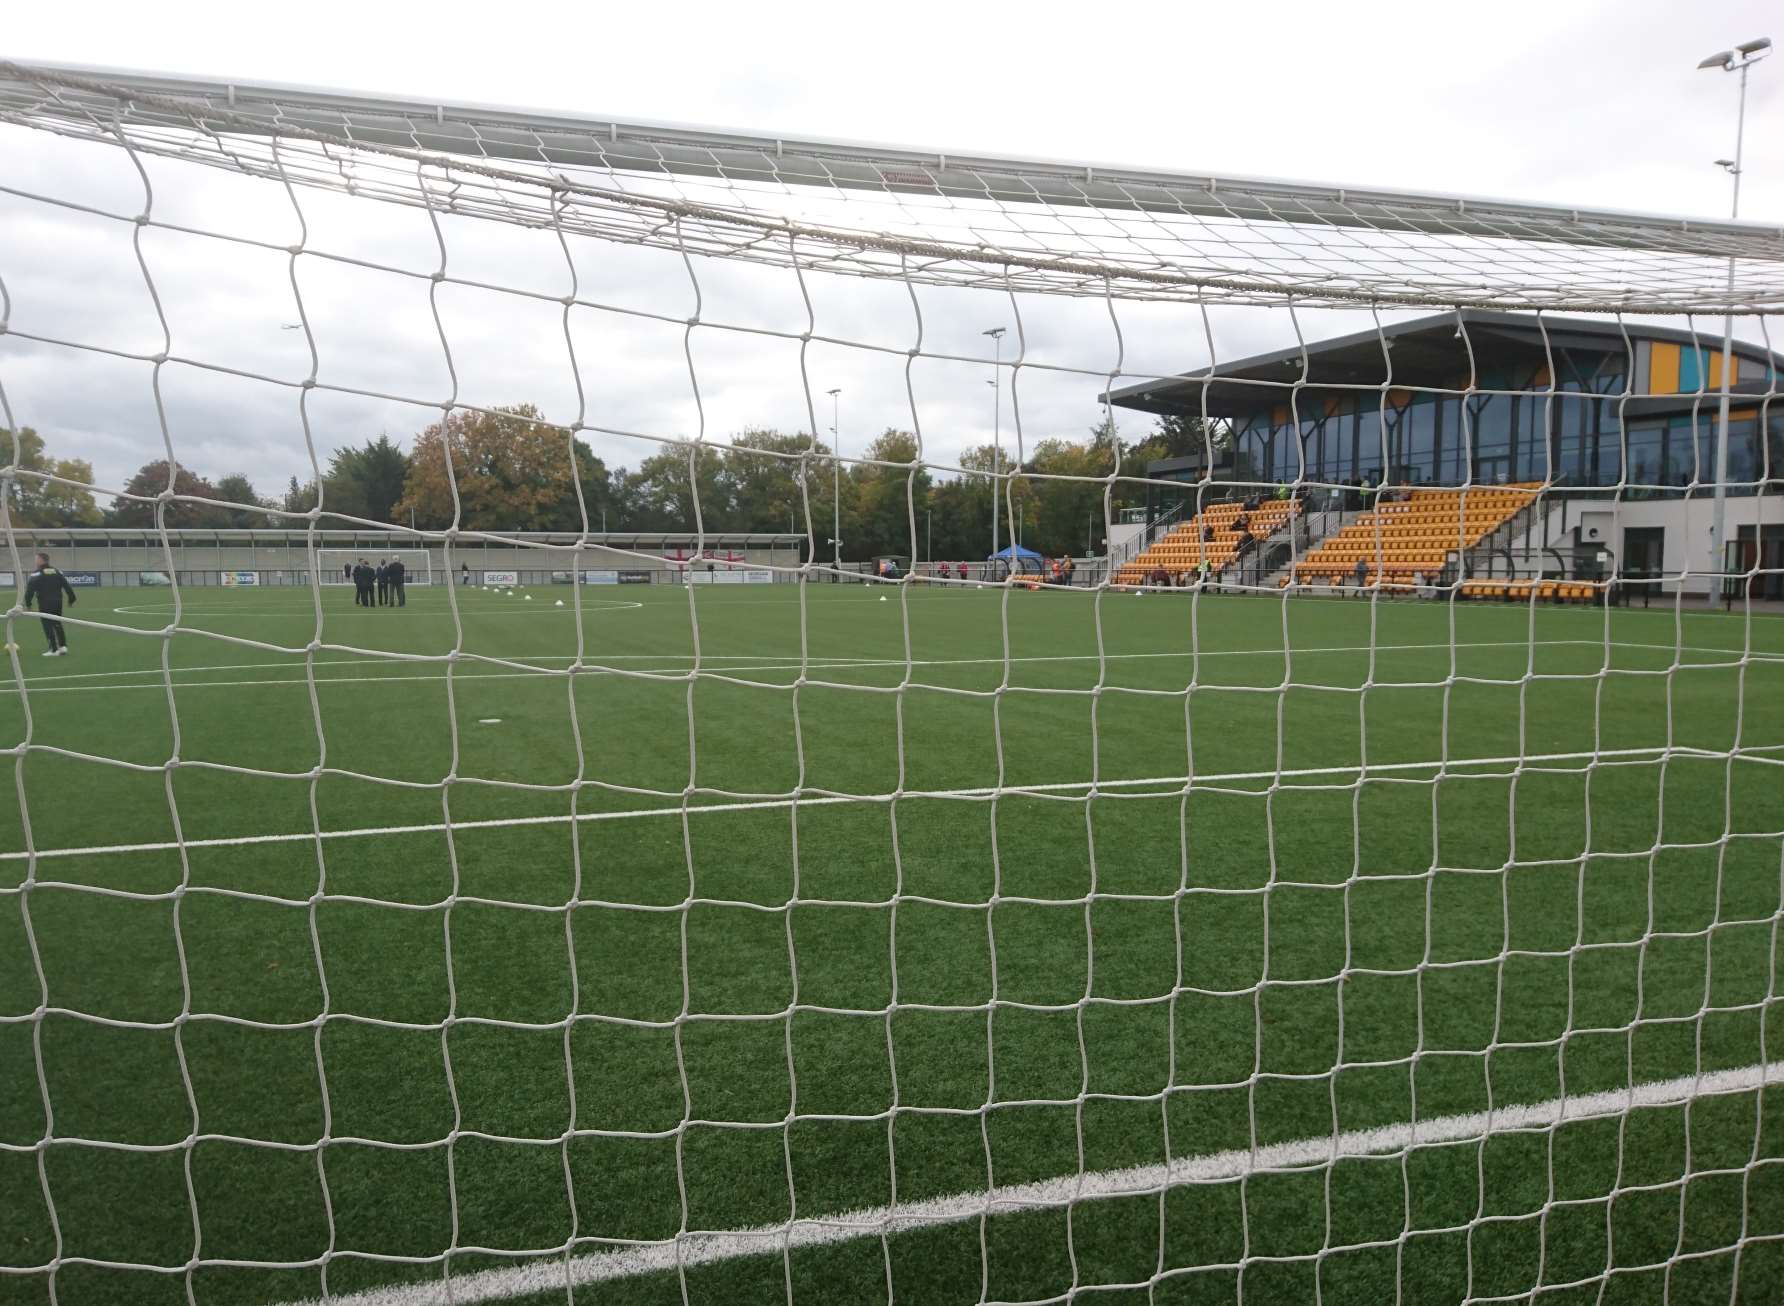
384 581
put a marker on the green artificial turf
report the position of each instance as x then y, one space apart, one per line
510 1038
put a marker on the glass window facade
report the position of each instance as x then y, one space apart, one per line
1516 427
1418 442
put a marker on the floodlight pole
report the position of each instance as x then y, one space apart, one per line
997 335
836 478
1739 59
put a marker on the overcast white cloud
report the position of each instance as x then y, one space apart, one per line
1594 103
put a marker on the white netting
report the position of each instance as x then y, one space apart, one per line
1378 911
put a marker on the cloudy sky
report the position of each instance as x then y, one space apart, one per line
1596 104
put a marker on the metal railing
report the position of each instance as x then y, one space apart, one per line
1167 519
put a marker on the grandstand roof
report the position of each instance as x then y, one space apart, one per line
1422 352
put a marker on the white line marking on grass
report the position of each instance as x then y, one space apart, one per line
704 1248
775 662
297 610
1168 785
391 659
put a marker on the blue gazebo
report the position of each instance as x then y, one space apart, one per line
1018 559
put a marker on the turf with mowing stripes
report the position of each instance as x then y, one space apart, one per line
631 1026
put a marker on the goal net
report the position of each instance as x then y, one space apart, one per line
1288 807
335 566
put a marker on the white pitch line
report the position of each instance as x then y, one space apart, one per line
1172 784
781 663
694 1249
468 669
391 659
589 607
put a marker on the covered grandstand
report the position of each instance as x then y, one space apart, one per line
1574 446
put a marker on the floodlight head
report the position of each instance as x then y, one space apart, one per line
1754 46
1721 59
1724 163
835 392
996 333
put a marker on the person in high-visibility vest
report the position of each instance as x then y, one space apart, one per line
1282 491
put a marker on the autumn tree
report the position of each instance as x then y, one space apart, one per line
513 471
662 492
1065 515
775 478
190 509
887 498
39 501
298 498
962 505
247 509
366 480
1180 437
596 500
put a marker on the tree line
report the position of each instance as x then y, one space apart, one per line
510 470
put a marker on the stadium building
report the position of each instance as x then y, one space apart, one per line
1605 416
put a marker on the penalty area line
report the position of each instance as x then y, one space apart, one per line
701 1248
1168 785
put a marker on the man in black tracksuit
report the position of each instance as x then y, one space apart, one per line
45 588
382 575
363 577
398 573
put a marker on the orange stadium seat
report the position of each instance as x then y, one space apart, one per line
1413 536
1181 551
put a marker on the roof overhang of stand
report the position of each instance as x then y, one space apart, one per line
1424 352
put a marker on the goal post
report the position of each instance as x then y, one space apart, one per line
1074 907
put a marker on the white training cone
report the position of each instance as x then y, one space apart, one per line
529 598
560 603
882 598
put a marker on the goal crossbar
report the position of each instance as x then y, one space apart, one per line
574 140
709 184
